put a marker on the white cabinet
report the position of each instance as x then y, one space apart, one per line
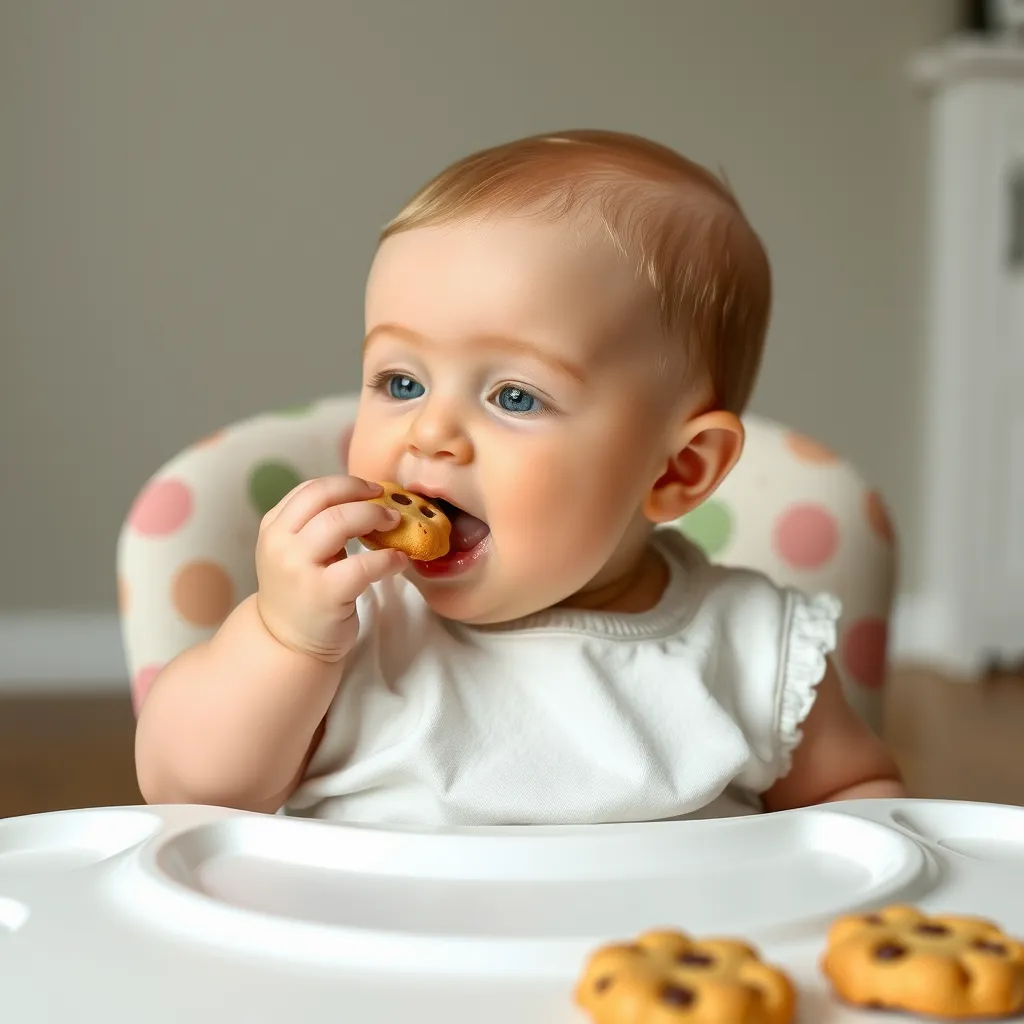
972 542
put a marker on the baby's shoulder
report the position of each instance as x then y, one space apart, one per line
722 592
764 647
744 609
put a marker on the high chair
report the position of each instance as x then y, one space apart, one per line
791 509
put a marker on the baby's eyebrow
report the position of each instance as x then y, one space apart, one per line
396 329
498 341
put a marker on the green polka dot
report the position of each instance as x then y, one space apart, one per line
269 482
295 410
709 526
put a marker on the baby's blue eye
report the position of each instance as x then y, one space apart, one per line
405 388
513 399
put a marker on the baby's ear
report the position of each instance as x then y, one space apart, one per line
707 447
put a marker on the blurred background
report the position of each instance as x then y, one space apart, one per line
190 194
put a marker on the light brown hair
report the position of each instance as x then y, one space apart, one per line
680 224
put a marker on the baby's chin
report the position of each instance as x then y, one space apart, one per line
480 602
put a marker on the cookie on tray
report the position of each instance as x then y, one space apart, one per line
667 976
942 966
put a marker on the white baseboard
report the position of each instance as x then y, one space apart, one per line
81 652
913 627
924 631
61 652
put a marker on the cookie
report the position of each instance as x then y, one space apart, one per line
424 532
666 976
948 967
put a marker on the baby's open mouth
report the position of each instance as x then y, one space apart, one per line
467 530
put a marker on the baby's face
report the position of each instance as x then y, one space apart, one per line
512 371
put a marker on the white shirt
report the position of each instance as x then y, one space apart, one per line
568 717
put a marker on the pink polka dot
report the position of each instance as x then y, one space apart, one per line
141 684
806 536
344 440
163 507
864 651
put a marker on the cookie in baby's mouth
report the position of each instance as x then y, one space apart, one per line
424 531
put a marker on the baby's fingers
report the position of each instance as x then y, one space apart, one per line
348 578
304 502
329 531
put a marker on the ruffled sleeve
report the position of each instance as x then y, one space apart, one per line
768 651
809 637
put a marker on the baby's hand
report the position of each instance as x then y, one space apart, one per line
308 586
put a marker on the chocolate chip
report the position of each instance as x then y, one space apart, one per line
401 499
985 946
873 919
695 959
428 512
676 995
932 929
602 983
889 951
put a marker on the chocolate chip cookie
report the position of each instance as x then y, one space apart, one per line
950 967
667 976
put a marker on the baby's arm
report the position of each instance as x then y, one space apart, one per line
839 757
234 721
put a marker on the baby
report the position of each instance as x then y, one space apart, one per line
561 333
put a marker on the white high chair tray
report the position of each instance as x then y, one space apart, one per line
163 914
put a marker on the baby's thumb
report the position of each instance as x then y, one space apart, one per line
349 578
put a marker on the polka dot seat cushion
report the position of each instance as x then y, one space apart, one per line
790 508
798 513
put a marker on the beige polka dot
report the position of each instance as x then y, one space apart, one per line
878 517
806 449
213 438
203 593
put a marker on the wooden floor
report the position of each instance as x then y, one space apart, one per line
958 740
66 752
953 739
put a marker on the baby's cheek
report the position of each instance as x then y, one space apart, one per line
554 513
368 452
364 470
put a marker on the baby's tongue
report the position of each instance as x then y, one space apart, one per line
467 531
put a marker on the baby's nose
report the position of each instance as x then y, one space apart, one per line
436 435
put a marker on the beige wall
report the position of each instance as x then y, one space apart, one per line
190 190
